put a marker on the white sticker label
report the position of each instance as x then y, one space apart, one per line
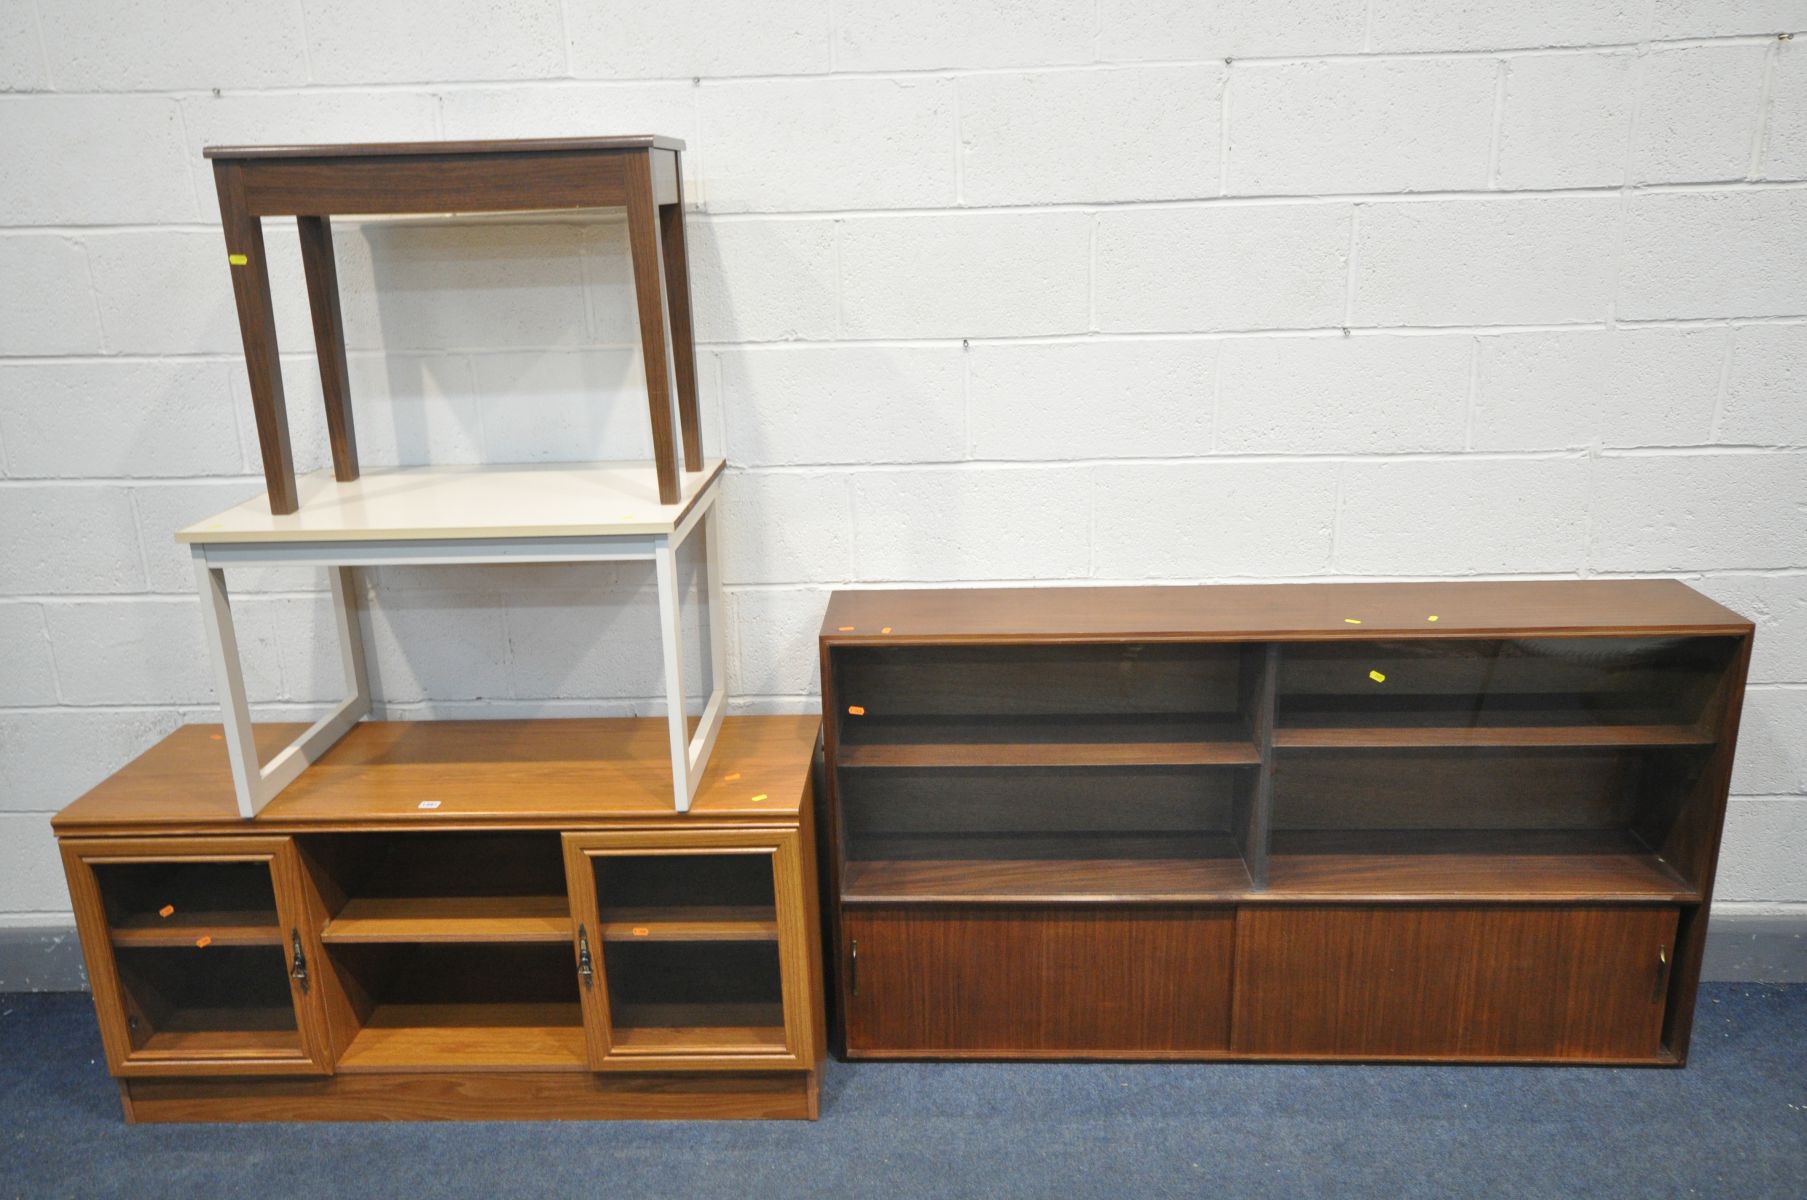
429 804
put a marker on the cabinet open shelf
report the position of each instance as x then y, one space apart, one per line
743 1027
1018 867
1052 740
544 918
213 928
1409 736
539 1036
692 923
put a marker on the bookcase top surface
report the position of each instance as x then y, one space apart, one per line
438 502
1278 612
620 142
482 774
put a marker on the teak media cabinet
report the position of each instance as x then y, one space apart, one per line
1462 822
471 920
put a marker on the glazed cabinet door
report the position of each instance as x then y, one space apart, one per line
692 948
1069 981
199 954
1453 982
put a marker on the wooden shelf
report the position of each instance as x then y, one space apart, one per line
223 1043
1106 740
249 928
469 1037
451 919
1021 867
1464 865
512 500
752 1027
699 923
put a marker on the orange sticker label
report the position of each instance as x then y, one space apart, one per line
167 910
731 776
843 629
856 710
203 942
886 629
641 931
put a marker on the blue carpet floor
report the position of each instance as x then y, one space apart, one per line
1733 1124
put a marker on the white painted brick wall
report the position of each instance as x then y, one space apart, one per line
1024 291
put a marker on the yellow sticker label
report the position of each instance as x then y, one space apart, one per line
1432 617
1352 620
1377 677
237 260
759 797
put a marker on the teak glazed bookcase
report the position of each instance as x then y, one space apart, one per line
474 920
542 513
1454 822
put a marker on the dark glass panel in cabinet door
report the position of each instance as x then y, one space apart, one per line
201 955
691 948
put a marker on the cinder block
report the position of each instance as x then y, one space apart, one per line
1485 262
1172 29
1714 254
1697 113
965 275
785 527
1398 125
1624 388
67 539
1201 521
31 881
708 38
958 524
429 645
1330 395
1778 606
293 643
791 405
1132 133
1419 517
299 118
571 407
1766 392
97 419
170 292
144 650
49 757
26 675
1772 754
110 47
586 644
163 508
775 647
476 285
576 110
1222 267
1119 399
820 144
1485 25
1785 134
1761 853
1565 120
763 281
1715 18
415 41
47 306
23 66
916 35
1692 512
93 160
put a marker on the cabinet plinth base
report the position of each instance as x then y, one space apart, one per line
478 1096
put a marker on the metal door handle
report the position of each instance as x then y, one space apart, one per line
585 970
298 968
1662 973
853 967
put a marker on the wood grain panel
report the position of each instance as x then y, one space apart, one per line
433 183
1071 982
1452 982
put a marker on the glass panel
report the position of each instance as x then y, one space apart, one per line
986 832
1504 684
697 993
689 951
183 895
221 999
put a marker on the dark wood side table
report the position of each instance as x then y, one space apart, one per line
312 183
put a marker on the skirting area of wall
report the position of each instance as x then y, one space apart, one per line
1741 948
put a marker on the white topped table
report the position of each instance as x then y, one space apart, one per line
534 512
